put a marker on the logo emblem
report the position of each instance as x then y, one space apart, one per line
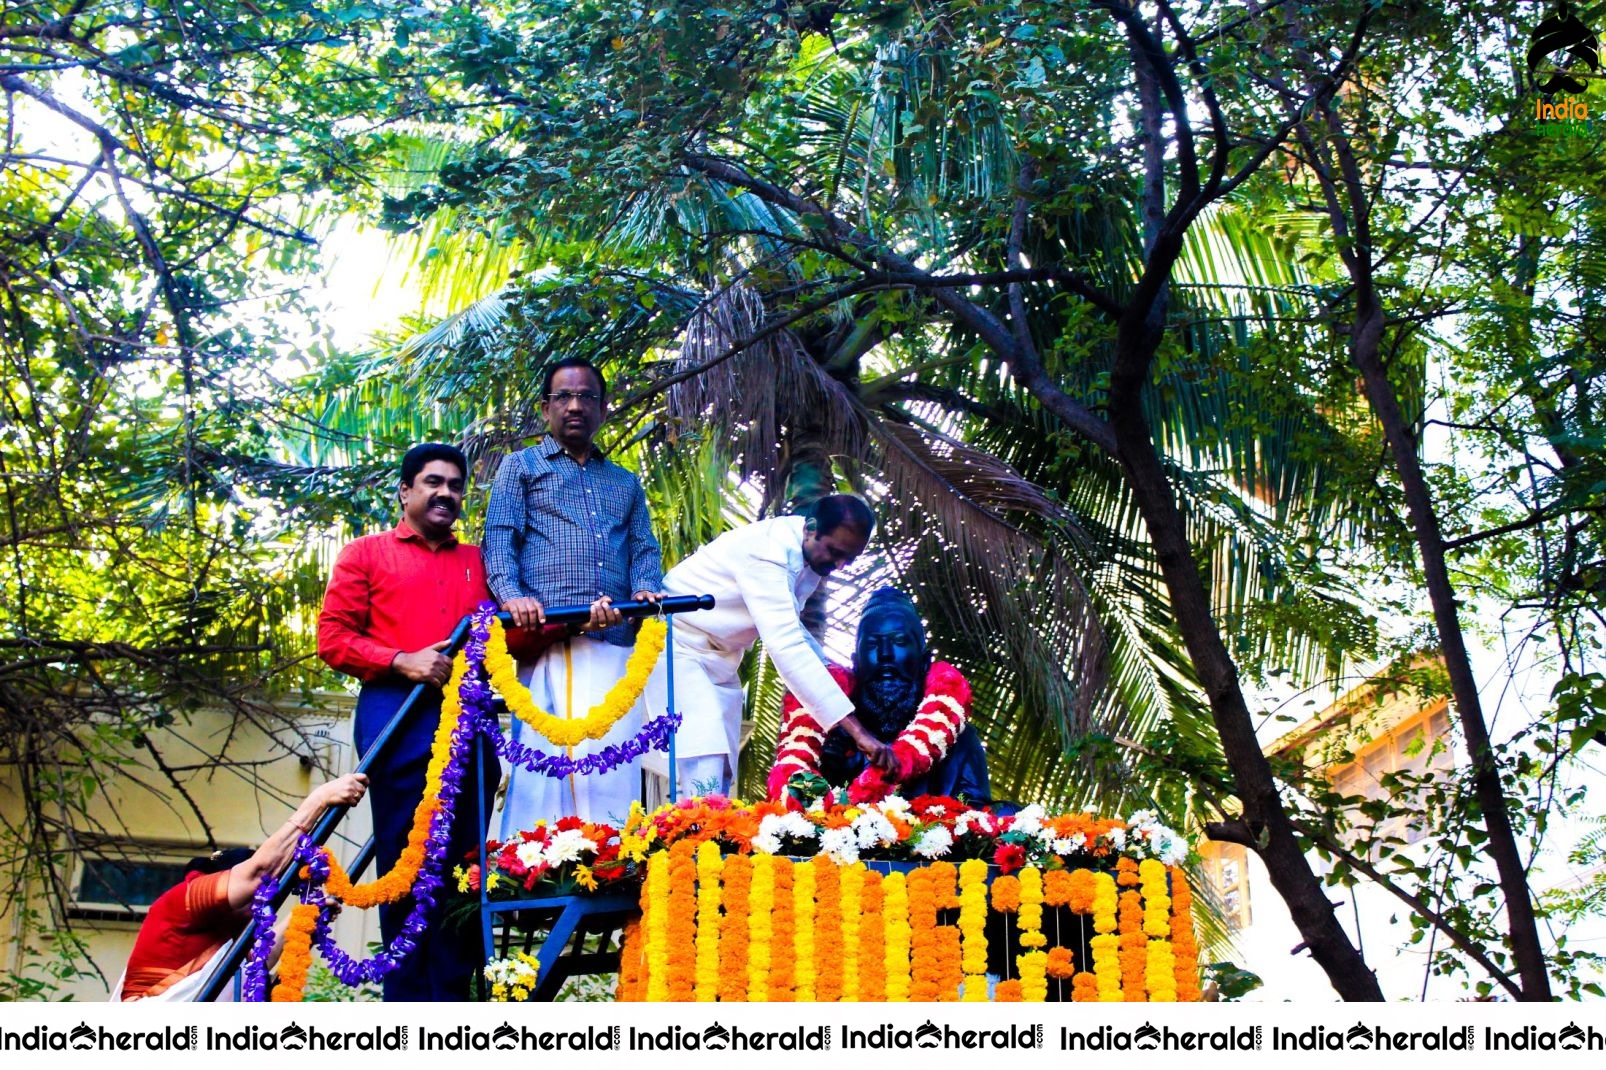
1577 44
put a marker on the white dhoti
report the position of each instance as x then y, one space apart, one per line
709 696
567 680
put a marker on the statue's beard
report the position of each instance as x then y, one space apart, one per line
890 702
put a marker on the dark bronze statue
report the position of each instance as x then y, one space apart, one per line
890 662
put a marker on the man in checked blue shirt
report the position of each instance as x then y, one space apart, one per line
567 526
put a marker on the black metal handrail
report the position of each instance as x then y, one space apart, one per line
235 958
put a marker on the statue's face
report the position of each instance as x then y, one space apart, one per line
889 663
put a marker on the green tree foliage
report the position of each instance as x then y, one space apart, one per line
166 168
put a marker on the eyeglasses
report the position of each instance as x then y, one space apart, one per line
563 397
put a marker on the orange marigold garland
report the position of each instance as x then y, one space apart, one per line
682 922
827 930
852 915
1184 947
630 962
398 882
1007 992
296 958
1079 889
924 968
873 940
1006 894
950 971
1061 963
1057 888
783 946
738 878
1134 947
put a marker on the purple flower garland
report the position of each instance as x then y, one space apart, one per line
254 981
654 735
354 971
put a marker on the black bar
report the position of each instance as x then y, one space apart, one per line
326 824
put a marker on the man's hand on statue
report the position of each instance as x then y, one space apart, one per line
527 612
603 615
877 753
427 666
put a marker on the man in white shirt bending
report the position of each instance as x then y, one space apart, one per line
760 576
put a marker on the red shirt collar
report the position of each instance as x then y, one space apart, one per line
404 533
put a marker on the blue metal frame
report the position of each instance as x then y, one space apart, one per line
229 967
572 910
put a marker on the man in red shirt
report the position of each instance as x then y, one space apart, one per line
193 922
392 601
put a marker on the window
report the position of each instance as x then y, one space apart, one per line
111 888
1417 747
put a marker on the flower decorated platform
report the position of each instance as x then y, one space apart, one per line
924 899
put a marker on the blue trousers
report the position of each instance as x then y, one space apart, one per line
447 956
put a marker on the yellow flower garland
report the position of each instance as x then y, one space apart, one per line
1032 964
973 928
803 931
602 717
852 915
1031 908
895 907
397 883
1105 946
1159 973
1156 903
655 891
760 909
709 865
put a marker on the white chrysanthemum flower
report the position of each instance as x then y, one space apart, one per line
529 853
972 820
1029 820
840 846
768 837
893 804
933 842
1117 838
1064 845
872 829
570 845
795 824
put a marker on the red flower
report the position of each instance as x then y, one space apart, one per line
474 877
949 808
1010 857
